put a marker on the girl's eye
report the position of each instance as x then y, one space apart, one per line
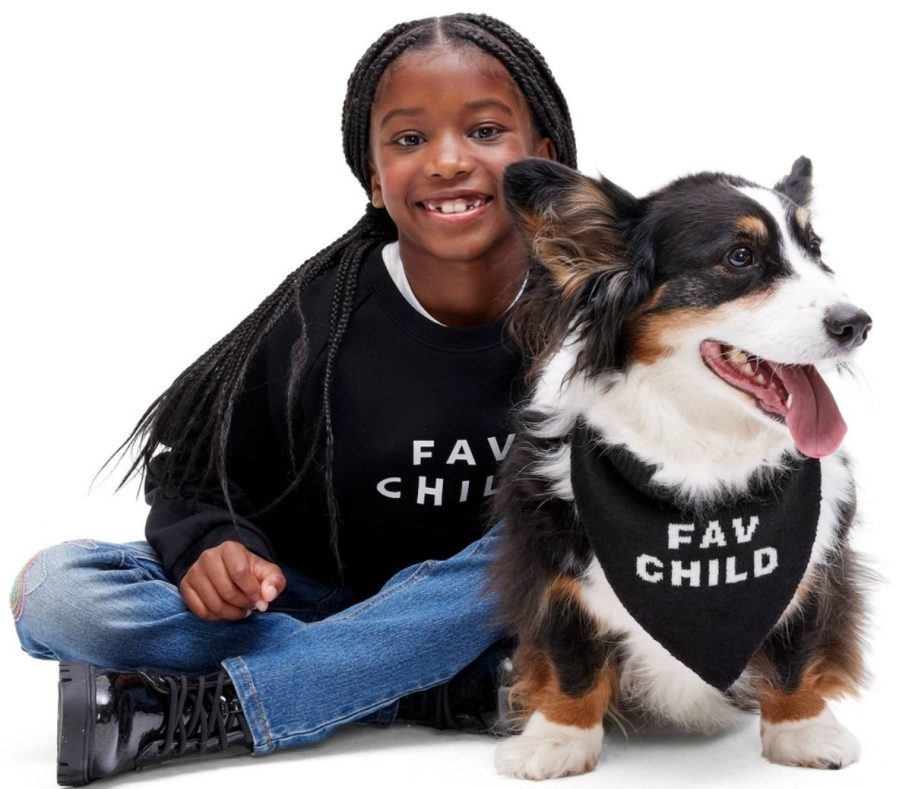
408 140
486 132
741 257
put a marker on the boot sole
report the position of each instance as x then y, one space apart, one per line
75 724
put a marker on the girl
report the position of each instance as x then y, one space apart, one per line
315 539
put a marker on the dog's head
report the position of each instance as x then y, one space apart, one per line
713 285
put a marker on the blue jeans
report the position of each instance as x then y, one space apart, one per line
314 661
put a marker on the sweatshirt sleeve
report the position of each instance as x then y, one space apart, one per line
182 524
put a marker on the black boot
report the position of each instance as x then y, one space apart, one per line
473 701
109 722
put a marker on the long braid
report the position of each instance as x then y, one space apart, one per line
193 415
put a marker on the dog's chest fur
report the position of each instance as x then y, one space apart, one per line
650 678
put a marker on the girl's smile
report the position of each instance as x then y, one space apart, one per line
444 125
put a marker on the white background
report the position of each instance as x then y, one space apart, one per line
164 165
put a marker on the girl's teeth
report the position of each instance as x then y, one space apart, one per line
454 206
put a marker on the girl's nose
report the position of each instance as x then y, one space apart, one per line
448 157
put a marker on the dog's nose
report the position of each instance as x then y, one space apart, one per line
847 324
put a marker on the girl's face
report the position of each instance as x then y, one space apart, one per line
444 124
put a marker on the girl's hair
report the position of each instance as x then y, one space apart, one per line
193 415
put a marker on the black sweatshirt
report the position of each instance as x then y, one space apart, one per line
421 418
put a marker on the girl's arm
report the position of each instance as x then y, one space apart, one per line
180 526
183 525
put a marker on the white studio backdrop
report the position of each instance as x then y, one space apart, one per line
164 165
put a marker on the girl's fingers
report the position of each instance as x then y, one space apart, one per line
215 606
238 564
228 582
271 581
193 602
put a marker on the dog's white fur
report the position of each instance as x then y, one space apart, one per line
821 741
549 750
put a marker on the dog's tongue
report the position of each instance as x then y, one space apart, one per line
814 419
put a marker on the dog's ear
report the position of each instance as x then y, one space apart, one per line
573 224
796 186
589 281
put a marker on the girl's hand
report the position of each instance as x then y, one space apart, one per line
229 581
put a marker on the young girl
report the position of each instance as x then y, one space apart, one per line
317 479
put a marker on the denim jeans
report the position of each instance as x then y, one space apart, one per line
314 661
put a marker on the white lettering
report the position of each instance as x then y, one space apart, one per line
676 538
732 576
464 493
418 452
745 535
771 562
384 487
489 485
678 573
461 451
713 536
424 489
500 454
653 577
713 573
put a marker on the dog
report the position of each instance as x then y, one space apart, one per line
676 507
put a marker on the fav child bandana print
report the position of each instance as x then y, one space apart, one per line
709 586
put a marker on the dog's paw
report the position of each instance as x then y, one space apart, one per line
549 750
820 742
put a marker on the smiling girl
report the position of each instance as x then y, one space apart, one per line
318 478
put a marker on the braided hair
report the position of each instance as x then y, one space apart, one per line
192 417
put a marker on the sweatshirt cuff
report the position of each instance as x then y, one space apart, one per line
250 539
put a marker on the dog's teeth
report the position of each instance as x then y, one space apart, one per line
788 401
747 369
760 379
738 356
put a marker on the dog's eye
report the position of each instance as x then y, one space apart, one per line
814 243
740 257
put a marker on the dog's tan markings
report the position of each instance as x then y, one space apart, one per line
539 690
651 334
533 223
807 586
802 216
821 681
752 226
563 587
577 237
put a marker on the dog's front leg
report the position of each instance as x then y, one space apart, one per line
799 729
816 657
567 686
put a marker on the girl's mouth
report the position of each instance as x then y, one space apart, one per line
459 206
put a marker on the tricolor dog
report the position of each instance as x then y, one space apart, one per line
676 505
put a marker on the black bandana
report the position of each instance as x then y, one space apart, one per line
708 586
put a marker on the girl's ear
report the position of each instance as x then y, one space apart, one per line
546 149
376 191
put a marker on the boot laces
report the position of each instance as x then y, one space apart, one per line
433 706
200 709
